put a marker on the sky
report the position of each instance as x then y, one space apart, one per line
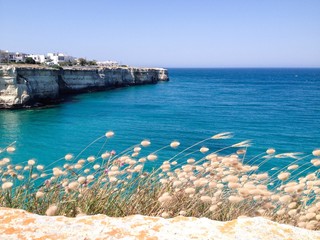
168 33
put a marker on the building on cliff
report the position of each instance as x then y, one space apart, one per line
108 63
39 58
17 57
57 58
50 59
6 56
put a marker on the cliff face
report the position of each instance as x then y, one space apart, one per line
23 86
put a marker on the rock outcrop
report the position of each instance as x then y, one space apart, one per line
19 224
25 86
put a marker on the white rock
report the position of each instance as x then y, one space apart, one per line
18 224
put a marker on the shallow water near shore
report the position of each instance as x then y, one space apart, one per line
273 107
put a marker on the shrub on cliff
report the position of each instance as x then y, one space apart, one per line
82 61
30 60
92 62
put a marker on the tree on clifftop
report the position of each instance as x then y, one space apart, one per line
30 60
82 61
92 62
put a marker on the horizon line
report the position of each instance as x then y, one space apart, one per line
248 67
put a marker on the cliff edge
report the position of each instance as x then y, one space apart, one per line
19 224
31 85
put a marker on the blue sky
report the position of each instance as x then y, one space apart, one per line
168 33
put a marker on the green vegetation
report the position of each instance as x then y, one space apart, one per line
216 186
30 60
82 61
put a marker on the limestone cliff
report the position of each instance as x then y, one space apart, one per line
19 224
24 86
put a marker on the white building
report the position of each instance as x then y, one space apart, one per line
6 56
40 58
57 58
108 63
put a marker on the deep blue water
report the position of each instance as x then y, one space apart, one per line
277 108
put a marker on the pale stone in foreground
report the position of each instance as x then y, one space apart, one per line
19 224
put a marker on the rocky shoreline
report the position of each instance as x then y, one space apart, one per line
25 86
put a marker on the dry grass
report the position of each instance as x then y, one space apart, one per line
214 186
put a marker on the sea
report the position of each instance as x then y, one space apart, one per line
273 108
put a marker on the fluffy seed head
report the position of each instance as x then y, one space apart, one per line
285 199
77 166
241 151
281 212
51 211
145 143
206 199
73 185
204 149
316 152
90 178
174 144
96 166
235 199
182 213
109 134
190 190
138 168
213 208
292 167
10 149
283 176
39 194
91 159
105 155
165 198
311 215
165 215
40 167
223 135
315 162
68 157
7 185
81 180
292 212
137 149
152 157
31 162
20 177
18 167
57 172
270 151
191 160
245 143
34 176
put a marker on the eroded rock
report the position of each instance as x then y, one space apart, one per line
19 224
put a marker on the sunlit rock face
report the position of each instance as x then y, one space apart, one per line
19 224
25 86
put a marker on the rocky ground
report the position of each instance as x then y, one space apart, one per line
19 224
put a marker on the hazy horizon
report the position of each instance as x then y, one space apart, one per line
172 34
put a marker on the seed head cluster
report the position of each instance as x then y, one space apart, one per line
212 183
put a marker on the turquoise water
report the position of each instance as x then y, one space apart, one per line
273 107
